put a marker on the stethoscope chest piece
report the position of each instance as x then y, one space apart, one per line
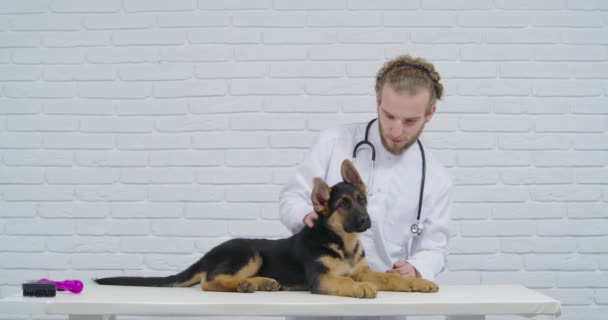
416 228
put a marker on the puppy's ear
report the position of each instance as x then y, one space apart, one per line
351 175
320 196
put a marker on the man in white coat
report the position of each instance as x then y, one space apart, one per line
406 93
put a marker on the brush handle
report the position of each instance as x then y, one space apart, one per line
74 286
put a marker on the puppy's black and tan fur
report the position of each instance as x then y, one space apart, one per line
325 259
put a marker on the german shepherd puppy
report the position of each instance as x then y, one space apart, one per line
326 259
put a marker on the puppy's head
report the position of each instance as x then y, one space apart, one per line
343 207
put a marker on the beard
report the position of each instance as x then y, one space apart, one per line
398 149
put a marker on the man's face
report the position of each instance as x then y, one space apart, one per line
402 117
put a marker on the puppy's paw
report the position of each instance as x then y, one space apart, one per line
270 285
246 287
423 285
364 290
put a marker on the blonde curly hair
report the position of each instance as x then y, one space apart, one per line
408 75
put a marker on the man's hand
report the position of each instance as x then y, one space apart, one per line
404 269
310 218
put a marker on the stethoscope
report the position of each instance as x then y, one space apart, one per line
417 227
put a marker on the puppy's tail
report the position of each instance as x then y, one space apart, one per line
186 278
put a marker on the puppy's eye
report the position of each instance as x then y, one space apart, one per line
362 201
344 204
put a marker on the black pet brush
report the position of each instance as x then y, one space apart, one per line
37 289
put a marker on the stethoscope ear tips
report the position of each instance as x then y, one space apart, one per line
416 229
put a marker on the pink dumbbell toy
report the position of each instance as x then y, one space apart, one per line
74 286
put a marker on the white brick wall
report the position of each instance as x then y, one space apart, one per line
137 134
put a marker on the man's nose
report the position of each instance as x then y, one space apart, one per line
395 131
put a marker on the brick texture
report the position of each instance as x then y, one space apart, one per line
137 134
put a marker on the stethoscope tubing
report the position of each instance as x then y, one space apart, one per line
416 228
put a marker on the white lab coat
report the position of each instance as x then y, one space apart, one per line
392 198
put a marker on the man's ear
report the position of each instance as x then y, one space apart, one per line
320 196
351 175
429 115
